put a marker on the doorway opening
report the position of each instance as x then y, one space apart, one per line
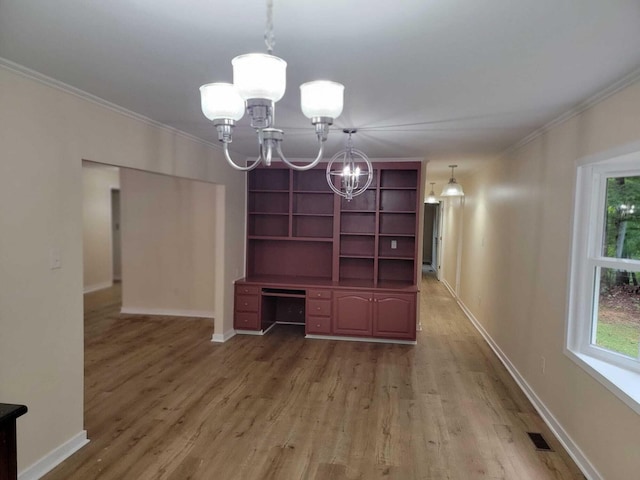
431 240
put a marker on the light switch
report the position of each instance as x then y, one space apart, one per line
394 244
54 259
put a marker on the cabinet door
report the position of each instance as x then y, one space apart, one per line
352 313
394 315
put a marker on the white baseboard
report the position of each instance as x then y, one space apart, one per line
97 286
166 312
361 339
223 337
561 434
451 291
55 457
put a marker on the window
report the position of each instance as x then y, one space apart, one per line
603 332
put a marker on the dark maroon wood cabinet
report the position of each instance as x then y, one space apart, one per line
352 313
394 315
341 268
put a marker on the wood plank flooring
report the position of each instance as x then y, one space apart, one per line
163 402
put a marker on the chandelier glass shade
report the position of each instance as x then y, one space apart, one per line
453 188
259 81
431 198
352 168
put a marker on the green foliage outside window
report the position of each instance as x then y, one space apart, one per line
618 316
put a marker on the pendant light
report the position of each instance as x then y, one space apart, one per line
431 198
453 188
354 170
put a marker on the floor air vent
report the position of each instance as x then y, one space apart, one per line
539 441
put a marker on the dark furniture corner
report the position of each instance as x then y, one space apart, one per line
8 453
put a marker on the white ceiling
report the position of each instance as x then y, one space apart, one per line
448 80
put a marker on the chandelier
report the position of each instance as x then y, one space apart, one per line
349 169
259 81
453 188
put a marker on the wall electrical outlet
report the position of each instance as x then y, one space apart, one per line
394 244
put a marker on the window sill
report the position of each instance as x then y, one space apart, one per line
623 383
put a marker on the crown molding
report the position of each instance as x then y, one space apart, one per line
603 94
76 92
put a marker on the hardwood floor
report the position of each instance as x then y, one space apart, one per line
163 402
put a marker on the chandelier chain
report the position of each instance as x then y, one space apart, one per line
269 35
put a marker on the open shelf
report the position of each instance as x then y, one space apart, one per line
390 178
311 181
268 225
405 247
360 222
396 270
366 201
353 245
272 179
397 223
287 258
398 200
356 269
268 202
313 226
313 203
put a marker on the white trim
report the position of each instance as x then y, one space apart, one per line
603 371
168 312
55 457
250 332
360 339
64 87
556 428
256 332
223 337
451 291
603 94
98 286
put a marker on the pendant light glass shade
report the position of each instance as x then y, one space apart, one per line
221 100
259 75
431 198
453 188
322 98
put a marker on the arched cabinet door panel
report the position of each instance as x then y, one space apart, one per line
352 313
394 315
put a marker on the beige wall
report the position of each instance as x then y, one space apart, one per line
452 208
514 273
45 133
168 244
97 258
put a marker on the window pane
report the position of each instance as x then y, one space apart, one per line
618 315
622 229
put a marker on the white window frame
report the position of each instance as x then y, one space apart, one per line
619 373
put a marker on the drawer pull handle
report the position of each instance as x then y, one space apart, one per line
319 294
246 304
317 308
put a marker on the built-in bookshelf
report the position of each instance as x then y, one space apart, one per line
297 227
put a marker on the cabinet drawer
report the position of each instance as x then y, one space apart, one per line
325 294
319 325
247 290
246 321
247 303
319 308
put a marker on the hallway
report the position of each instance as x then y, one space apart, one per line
162 401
